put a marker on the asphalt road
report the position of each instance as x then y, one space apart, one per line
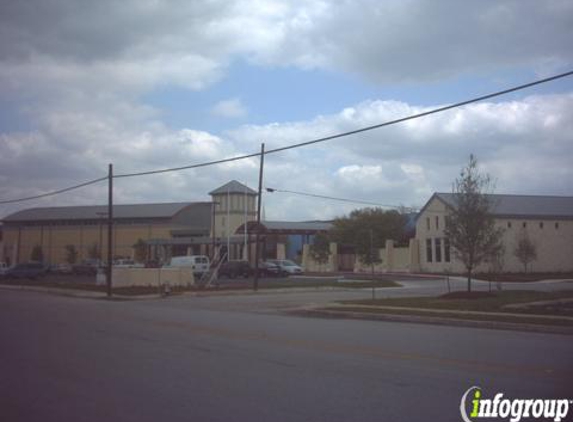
237 358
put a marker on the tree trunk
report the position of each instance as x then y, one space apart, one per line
469 280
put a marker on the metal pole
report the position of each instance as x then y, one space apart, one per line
245 203
110 230
228 225
213 230
260 200
372 263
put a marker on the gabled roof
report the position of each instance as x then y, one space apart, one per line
302 226
233 187
96 212
287 227
521 206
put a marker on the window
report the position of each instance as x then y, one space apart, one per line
556 225
541 225
437 223
438 247
428 250
525 224
447 250
509 224
428 223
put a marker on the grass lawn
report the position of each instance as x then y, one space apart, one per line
449 305
487 302
234 285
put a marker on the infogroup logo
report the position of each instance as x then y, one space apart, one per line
514 409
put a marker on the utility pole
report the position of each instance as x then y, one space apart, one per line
372 263
109 230
260 200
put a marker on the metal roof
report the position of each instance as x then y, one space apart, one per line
297 225
526 206
233 187
97 212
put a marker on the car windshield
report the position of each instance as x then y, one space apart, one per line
288 263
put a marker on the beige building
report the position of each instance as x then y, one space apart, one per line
168 229
546 220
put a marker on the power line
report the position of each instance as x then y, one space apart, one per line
302 144
353 132
333 198
56 192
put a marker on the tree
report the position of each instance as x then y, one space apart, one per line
37 254
140 251
71 254
320 248
525 250
93 251
470 226
367 230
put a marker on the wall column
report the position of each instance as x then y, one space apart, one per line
414 247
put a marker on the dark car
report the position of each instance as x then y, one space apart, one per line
269 269
87 267
233 269
31 270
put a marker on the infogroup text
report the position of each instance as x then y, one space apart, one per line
514 409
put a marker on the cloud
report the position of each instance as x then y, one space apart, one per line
523 144
232 108
78 76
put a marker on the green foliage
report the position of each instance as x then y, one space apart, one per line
367 230
71 254
525 250
470 225
140 251
320 248
37 254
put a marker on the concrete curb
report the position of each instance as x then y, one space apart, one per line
82 294
433 320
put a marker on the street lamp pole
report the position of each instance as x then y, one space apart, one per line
260 200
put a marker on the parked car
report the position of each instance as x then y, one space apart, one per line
199 263
61 269
287 266
3 268
31 270
126 263
233 269
269 269
86 267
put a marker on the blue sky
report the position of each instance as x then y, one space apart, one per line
275 94
148 85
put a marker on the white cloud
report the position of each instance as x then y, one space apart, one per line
231 108
524 145
79 75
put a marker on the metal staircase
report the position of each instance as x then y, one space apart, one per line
207 278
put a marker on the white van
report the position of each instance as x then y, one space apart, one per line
199 263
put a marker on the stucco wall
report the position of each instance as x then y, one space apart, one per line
123 277
553 240
54 239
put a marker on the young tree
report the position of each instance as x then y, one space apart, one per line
71 254
525 250
367 231
37 254
320 248
140 251
93 251
471 227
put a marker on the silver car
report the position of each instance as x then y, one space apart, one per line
287 266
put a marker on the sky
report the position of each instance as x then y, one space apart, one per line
154 84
